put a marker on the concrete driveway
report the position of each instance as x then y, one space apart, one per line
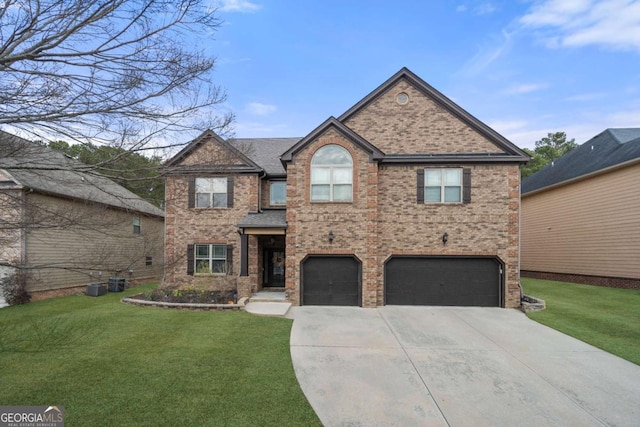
432 366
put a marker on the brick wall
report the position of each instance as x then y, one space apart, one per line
185 226
488 226
385 218
609 282
353 224
420 126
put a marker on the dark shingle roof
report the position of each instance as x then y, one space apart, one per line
265 152
265 219
609 148
45 170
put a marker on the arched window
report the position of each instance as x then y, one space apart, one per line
331 175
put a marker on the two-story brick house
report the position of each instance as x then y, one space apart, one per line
404 199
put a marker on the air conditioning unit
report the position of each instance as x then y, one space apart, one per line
96 289
117 284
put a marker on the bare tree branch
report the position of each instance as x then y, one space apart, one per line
127 73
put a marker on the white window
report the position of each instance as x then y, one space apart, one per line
443 185
211 192
136 225
331 175
278 193
211 259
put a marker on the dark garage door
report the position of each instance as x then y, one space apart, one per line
331 280
443 281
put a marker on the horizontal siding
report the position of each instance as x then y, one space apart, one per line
590 227
98 240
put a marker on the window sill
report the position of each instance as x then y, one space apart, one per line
210 209
328 202
209 274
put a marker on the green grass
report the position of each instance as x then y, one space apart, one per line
607 318
113 364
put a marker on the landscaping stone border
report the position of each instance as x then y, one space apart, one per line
530 304
188 306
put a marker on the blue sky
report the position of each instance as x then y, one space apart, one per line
525 68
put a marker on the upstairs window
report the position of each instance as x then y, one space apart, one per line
331 175
443 185
211 192
136 225
278 193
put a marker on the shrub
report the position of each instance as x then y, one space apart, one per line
14 288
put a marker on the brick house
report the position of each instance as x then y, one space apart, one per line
404 199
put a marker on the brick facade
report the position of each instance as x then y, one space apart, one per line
609 282
384 218
188 226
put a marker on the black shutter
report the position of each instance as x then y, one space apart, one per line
229 259
466 186
192 192
230 192
420 186
244 254
190 260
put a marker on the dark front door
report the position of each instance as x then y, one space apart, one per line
275 267
331 280
457 281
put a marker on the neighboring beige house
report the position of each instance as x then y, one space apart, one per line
69 226
403 199
581 215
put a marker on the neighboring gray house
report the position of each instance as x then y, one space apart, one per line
69 226
581 214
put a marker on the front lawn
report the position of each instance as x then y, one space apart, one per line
113 364
607 318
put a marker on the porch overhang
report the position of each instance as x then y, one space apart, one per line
254 231
267 222
264 223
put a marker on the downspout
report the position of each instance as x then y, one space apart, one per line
519 235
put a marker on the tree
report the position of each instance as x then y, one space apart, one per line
123 73
135 172
115 79
548 149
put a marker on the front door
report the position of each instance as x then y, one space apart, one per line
275 268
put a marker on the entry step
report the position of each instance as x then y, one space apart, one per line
268 296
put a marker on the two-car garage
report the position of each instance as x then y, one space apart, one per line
408 280
441 280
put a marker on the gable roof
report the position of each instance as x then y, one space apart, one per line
610 148
265 152
511 149
48 171
332 122
173 164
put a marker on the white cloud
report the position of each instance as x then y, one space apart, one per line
260 109
574 23
485 8
521 89
625 119
478 8
583 97
237 6
487 54
503 126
